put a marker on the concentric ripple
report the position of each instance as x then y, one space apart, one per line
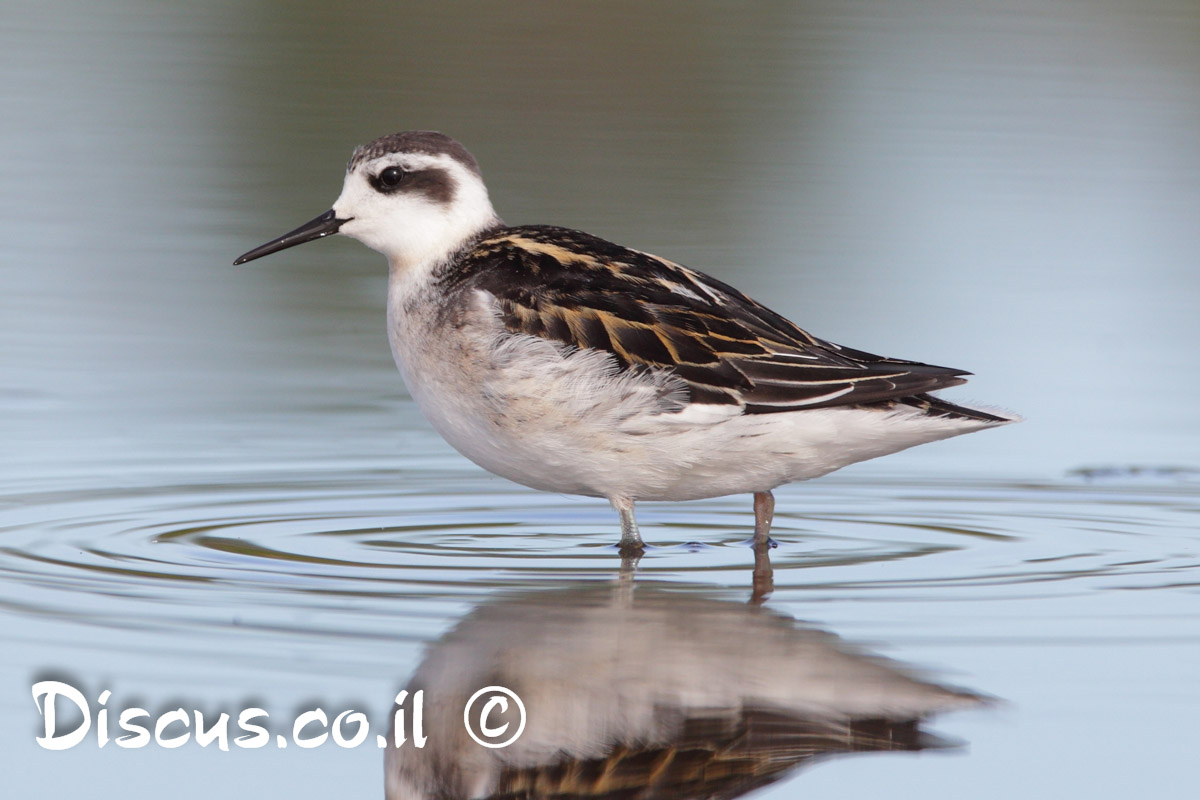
349 554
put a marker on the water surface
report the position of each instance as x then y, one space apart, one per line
216 492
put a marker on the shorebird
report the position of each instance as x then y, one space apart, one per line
570 364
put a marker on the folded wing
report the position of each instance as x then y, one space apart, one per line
648 312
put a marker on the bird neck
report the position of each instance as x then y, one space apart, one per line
411 272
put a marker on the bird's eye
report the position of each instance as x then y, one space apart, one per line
390 178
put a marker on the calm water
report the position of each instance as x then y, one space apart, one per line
217 495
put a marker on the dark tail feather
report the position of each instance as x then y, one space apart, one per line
936 407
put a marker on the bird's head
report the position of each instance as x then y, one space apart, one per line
415 196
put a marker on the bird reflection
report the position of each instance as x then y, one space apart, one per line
640 690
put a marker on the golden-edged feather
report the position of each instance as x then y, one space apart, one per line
580 290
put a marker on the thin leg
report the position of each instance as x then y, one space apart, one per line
631 541
764 512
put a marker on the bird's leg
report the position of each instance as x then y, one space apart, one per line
764 576
631 543
764 512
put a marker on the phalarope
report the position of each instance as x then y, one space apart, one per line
571 364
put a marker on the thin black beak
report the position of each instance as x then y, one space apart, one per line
317 228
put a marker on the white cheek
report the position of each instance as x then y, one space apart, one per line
404 228
409 228
367 215
352 202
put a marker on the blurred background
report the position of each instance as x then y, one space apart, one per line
1010 188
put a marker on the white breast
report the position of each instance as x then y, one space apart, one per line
533 411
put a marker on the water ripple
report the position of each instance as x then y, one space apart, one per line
278 551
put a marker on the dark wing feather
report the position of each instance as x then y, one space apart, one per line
583 291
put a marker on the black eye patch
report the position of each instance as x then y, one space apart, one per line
436 184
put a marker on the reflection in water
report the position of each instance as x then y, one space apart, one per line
647 691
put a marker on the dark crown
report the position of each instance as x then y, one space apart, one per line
428 142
